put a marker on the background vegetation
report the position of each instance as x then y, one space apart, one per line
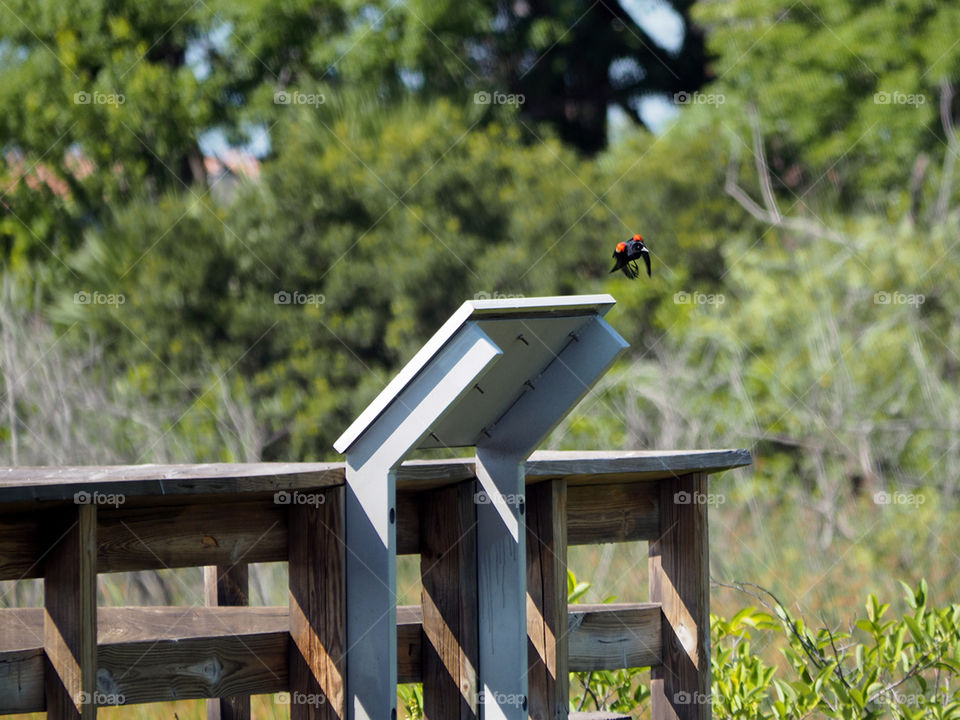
169 170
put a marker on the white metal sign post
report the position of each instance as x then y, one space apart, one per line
498 376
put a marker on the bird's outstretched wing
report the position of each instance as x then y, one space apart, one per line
622 263
646 259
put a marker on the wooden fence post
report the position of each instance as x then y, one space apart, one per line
547 647
317 608
70 616
223 586
680 581
448 570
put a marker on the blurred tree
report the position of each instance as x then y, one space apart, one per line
570 60
99 104
371 240
849 92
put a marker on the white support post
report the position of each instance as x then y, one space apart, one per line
371 517
438 394
501 584
501 531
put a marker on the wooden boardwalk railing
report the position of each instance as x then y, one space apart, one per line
68 524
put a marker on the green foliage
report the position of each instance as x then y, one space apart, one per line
899 668
562 63
360 216
902 668
846 87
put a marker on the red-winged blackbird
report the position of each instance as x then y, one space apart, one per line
627 254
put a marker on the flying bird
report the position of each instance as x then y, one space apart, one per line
627 254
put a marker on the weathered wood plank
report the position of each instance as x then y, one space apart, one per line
548 686
58 484
612 512
21 679
198 640
39 484
680 581
408 522
156 671
165 536
126 634
227 586
20 541
409 643
317 608
602 466
147 538
448 571
70 615
619 635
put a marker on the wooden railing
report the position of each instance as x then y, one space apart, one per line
68 524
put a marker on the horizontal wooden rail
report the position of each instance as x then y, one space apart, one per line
189 535
59 484
181 521
153 654
67 524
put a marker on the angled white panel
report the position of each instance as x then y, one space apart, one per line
501 536
371 556
499 375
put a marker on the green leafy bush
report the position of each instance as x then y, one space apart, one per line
903 668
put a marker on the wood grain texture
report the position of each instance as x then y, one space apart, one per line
41 484
21 679
548 683
223 666
408 522
409 643
585 467
144 649
448 571
70 615
153 538
612 512
32 485
618 635
680 581
177 535
20 541
168 536
317 609
228 586
149 654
